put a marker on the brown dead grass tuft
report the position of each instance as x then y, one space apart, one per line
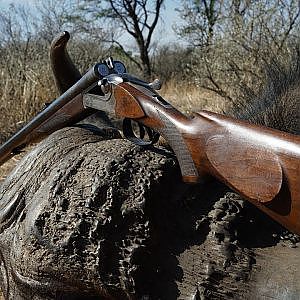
21 100
189 98
8 166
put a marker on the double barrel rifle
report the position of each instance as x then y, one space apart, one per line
259 163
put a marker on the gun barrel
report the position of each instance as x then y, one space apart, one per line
20 138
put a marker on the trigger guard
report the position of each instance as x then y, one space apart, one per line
130 135
142 131
153 135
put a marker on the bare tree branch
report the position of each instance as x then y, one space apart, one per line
138 18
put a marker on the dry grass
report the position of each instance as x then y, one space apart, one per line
189 98
21 100
9 165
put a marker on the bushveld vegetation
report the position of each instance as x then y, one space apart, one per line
227 45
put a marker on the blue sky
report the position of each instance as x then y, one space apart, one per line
170 19
5 3
164 32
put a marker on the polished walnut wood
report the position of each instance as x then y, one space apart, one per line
260 163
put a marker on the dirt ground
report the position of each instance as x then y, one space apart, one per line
9 165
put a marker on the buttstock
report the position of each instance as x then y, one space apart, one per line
260 163
253 171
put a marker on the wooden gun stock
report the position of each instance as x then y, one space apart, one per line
261 164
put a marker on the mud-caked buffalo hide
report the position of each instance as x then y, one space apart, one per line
85 217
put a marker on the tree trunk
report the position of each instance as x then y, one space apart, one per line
90 216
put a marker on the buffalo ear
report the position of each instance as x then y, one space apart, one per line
251 170
64 71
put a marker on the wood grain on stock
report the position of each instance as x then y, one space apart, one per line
261 164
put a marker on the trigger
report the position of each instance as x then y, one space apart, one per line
130 135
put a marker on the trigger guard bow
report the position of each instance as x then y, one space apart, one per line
130 135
